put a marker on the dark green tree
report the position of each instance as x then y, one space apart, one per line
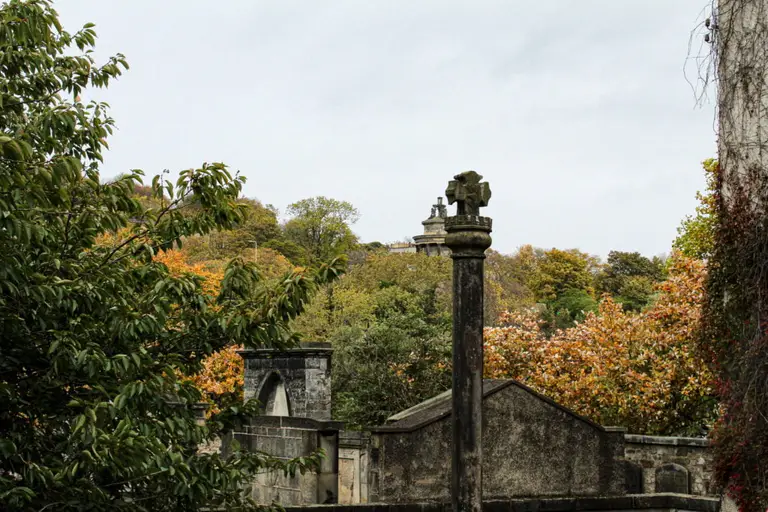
389 322
630 278
571 306
396 361
94 330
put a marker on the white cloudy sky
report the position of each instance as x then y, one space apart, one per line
576 111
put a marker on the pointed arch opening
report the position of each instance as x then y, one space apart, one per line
274 396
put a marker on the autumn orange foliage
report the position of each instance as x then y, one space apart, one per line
637 370
221 380
177 265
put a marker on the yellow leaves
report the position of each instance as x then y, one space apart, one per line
113 238
639 370
222 377
177 265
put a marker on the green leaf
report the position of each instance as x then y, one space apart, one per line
7 448
79 423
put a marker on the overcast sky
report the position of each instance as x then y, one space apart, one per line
578 112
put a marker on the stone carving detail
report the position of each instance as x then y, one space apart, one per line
439 209
468 193
673 478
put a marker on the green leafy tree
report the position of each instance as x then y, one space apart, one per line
505 286
389 322
95 329
636 293
351 301
321 226
564 281
398 360
696 234
560 270
630 278
571 306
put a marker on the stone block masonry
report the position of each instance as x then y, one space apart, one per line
288 438
293 382
682 464
354 467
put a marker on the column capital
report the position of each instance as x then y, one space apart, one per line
468 236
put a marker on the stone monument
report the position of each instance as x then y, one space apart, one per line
468 236
432 241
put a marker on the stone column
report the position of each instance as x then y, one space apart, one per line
468 236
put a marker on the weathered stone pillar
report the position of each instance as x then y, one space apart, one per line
468 236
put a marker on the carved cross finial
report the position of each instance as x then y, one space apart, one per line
469 194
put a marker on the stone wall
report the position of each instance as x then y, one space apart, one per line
532 447
646 503
671 464
286 438
648 457
354 460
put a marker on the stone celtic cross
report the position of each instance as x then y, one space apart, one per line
468 192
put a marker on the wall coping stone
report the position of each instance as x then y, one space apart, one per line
660 501
304 349
294 422
354 438
667 441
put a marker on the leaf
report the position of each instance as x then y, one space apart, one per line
79 423
7 448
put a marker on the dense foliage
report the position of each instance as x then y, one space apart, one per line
258 227
735 336
389 322
630 278
320 226
637 370
96 328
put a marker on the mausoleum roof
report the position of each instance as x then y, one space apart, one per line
439 407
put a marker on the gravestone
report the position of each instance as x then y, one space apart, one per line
673 478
